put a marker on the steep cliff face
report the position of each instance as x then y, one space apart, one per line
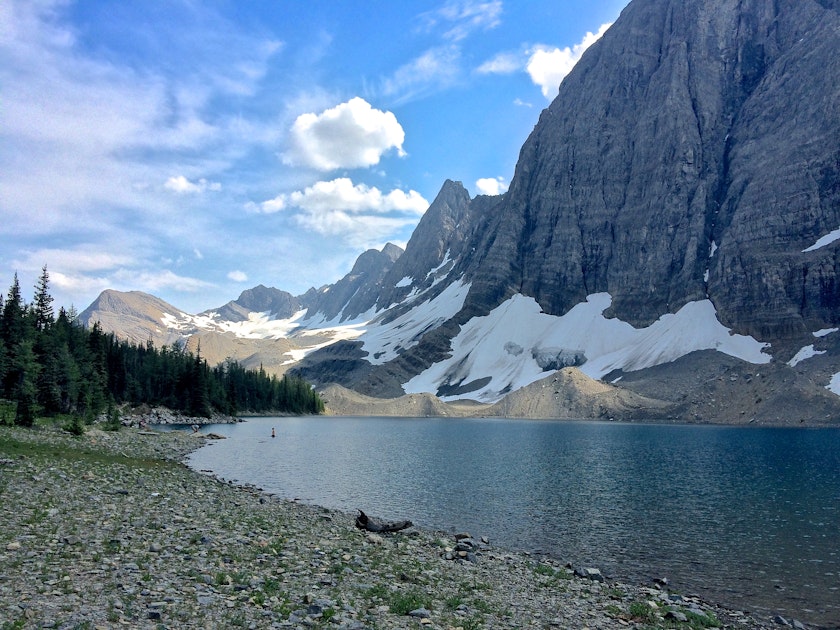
692 152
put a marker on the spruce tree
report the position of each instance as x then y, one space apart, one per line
43 302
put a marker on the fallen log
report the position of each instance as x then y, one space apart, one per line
363 521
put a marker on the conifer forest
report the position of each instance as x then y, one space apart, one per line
52 366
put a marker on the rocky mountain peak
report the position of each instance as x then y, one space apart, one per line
661 172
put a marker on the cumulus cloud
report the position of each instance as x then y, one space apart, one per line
491 186
360 214
341 193
350 135
549 66
182 186
237 276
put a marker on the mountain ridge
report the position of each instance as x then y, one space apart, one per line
677 197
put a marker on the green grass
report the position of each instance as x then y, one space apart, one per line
402 603
642 611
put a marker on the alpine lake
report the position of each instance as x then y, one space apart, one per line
747 517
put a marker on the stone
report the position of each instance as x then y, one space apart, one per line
590 574
422 613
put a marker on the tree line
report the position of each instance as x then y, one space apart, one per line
51 365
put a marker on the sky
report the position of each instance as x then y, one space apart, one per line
194 149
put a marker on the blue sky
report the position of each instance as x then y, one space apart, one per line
194 149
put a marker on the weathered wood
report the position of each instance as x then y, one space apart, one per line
363 521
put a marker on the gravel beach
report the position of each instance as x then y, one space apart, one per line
112 530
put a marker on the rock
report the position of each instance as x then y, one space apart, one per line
590 574
676 615
421 613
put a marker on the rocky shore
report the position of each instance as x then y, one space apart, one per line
144 416
111 530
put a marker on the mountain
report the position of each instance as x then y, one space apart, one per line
135 316
671 230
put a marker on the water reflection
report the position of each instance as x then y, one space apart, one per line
746 516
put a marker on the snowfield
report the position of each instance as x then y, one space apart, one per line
511 347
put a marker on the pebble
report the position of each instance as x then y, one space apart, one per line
136 539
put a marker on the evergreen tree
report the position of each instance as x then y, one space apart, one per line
42 304
199 389
25 390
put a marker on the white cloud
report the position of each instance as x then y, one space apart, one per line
362 215
491 186
181 185
350 135
503 63
460 19
342 194
435 69
549 66
153 281
237 276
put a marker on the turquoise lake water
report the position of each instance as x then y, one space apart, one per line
748 517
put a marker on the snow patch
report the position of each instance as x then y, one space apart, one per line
384 342
405 282
482 349
834 384
824 332
262 326
828 239
804 353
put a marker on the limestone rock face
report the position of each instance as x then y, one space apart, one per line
358 291
694 151
260 299
136 315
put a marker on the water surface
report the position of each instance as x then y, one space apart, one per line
749 517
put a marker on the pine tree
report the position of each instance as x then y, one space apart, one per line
44 317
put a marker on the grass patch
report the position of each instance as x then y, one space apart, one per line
643 612
13 448
402 603
453 602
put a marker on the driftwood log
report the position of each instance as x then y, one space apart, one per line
363 521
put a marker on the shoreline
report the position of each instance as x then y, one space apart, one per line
116 530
